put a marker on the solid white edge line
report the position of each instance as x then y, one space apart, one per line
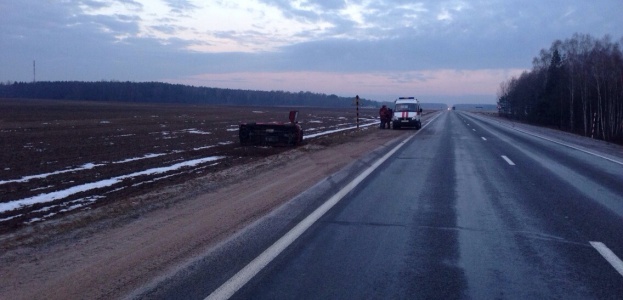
248 272
510 162
570 146
612 258
555 141
231 286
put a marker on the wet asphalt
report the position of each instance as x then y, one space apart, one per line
466 209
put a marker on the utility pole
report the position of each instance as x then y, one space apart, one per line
34 72
357 103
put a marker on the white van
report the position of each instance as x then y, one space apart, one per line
407 113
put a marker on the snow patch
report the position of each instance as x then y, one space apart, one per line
146 156
336 130
49 197
86 166
196 131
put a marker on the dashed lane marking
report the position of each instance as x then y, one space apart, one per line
483 138
612 258
510 162
560 143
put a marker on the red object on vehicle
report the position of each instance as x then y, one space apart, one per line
293 116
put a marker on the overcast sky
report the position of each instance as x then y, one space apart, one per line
437 51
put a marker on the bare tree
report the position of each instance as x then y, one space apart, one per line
578 76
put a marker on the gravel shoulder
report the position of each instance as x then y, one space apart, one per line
110 251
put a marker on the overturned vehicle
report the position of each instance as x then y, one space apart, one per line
273 133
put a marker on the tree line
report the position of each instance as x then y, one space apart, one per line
576 85
159 92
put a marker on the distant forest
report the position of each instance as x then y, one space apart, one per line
158 92
576 85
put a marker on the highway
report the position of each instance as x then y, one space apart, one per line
463 209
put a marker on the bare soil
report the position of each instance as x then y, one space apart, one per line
51 146
112 247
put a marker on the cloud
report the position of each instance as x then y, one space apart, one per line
397 43
180 6
371 85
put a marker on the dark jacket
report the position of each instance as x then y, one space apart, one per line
383 113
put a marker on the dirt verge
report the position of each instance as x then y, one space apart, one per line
109 251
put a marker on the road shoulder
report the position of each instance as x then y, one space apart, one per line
112 257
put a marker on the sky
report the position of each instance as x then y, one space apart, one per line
447 51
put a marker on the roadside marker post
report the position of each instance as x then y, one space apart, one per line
357 104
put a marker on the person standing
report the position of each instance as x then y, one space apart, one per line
383 116
388 118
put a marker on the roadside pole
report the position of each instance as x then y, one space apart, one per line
357 104
594 121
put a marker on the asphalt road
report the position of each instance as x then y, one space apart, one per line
465 209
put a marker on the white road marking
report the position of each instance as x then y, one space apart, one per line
561 143
612 258
243 276
474 129
483 138
570 146
510 162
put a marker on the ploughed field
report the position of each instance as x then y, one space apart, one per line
59 157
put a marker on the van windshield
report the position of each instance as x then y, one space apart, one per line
405 107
